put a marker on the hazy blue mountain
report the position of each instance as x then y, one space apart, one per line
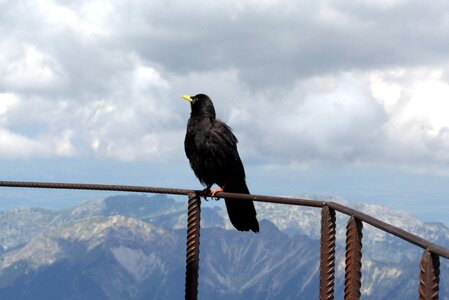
96 258
19 225
133 247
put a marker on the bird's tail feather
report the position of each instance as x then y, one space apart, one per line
242 214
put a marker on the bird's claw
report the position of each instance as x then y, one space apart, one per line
207 191
204 193
214 192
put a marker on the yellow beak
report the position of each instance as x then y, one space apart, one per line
187 98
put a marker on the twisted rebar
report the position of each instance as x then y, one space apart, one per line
193 246
429 276
327 253
96 187
353 274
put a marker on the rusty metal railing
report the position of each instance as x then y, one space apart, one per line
428 287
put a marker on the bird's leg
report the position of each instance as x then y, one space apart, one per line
214 192
204 193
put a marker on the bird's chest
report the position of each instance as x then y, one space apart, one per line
199 151
197 137
196 148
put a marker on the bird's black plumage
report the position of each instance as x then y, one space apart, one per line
211 148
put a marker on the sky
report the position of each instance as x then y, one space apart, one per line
345 99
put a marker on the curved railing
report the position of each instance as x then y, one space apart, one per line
428 287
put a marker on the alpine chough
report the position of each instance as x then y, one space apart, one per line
211 148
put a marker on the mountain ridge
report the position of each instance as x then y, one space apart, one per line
133 247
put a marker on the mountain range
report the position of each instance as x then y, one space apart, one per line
133 247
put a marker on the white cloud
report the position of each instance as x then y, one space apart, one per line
417 129
299 82
145 77
414 94
87 20
7 101
16 146
429 102
29 68
319 119
64 146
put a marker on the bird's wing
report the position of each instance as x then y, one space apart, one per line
211 148
223 146
242 214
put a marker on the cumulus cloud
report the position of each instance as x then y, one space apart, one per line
275 42
28 68
299 82
7 100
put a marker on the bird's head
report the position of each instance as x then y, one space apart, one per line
201 105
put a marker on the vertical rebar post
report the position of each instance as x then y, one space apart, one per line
429 276
327 253
353 274
193 246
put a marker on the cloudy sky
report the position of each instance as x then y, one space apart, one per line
339 98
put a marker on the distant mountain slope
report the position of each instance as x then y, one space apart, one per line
95 258
130 247
377 243
124 258
19 225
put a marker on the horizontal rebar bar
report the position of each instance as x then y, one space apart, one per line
156 190
414 239
272 199
410 237
96 187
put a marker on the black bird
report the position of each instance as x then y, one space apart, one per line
211 148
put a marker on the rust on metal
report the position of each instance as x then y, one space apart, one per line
429 276
353 273
400 233
94 187
158 190
327 253
193 246
414 239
